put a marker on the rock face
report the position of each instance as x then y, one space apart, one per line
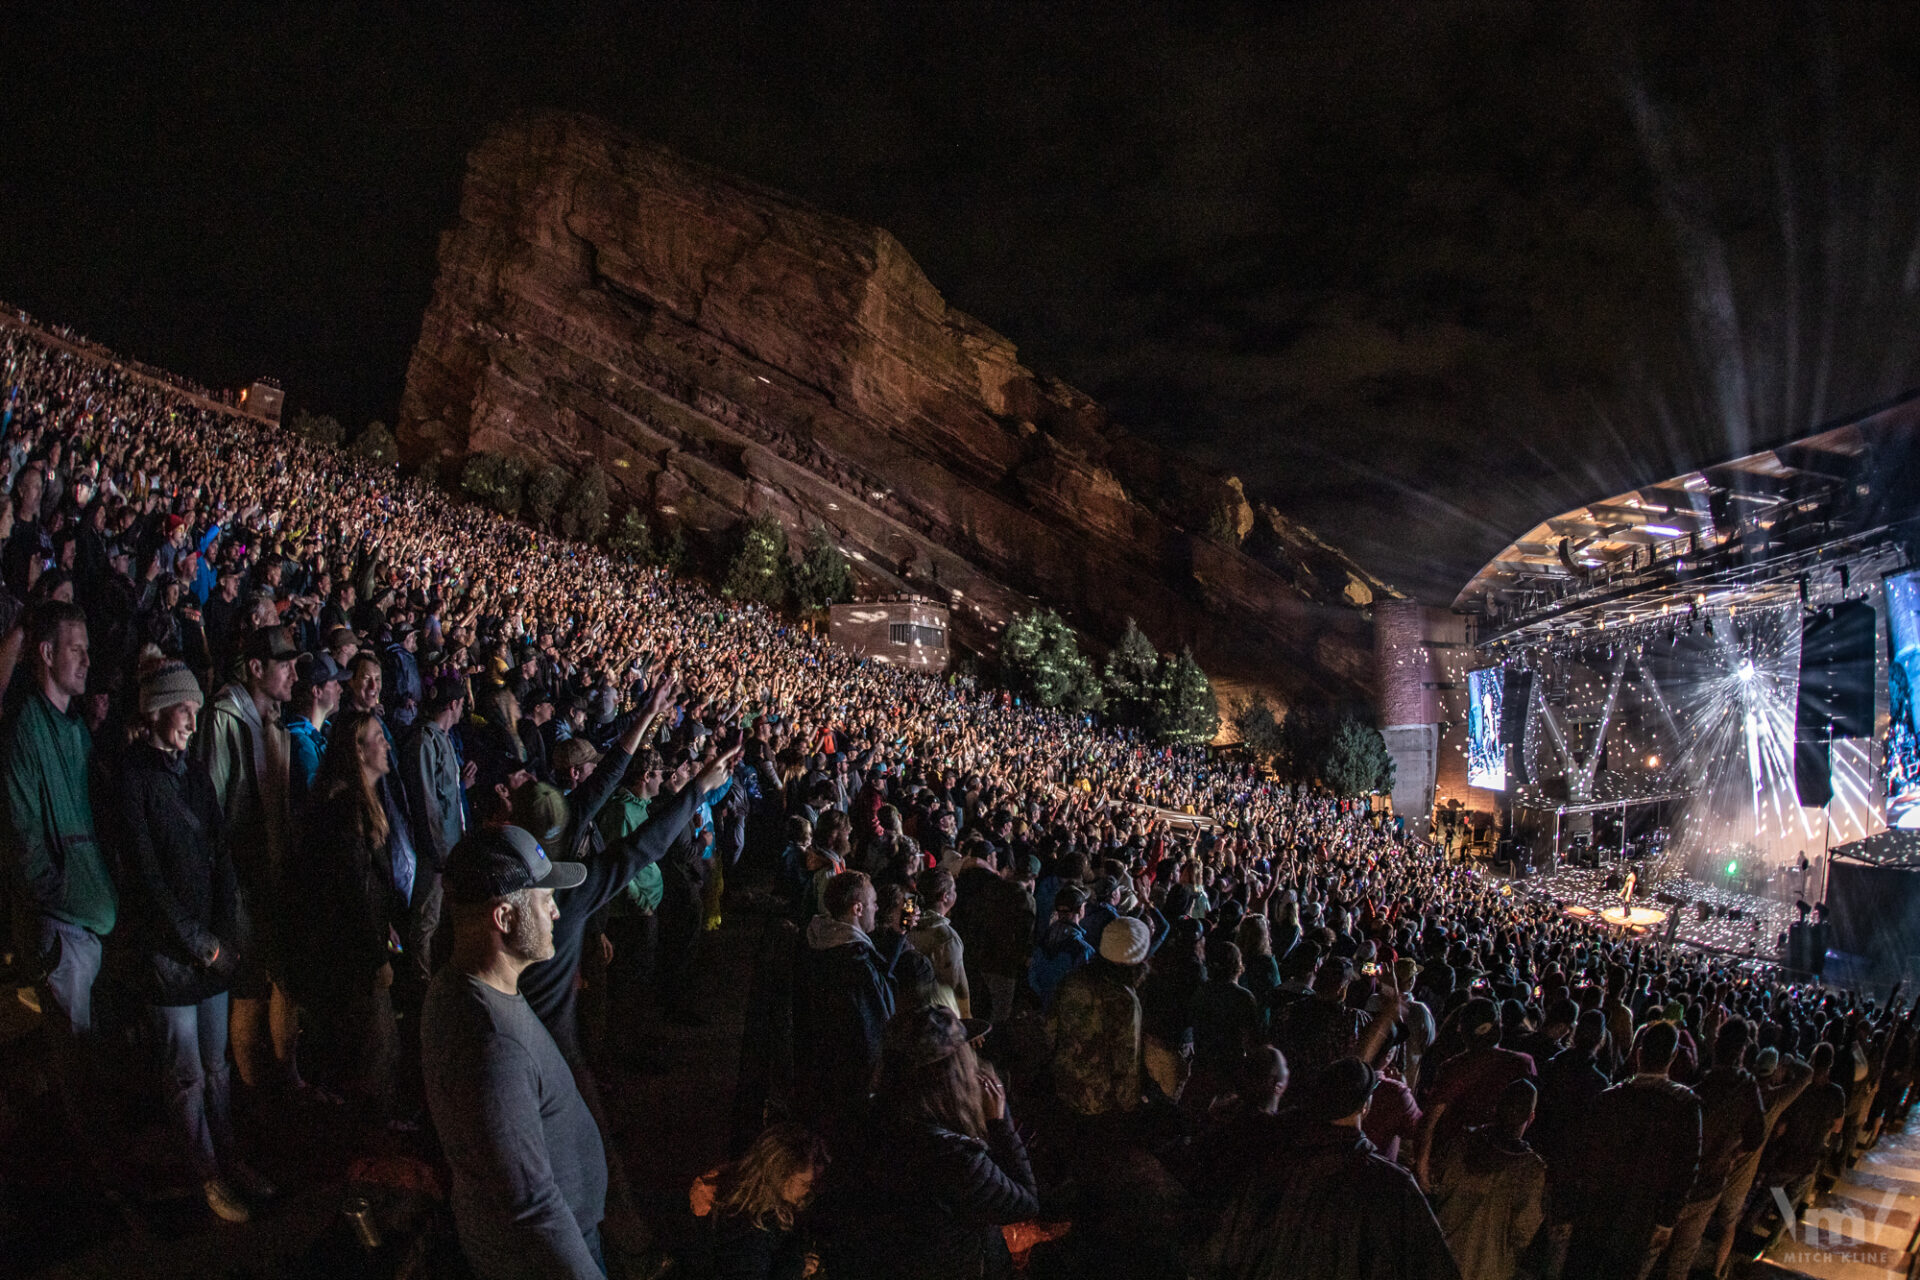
723 349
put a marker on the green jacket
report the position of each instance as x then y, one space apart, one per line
49 818
249 762
620 818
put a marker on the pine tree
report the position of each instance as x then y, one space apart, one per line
1357 761
511 492
1305 734
1259 730
759 569
319 428
1040 657
632 541
545 488
377 444
670 548
583 514
1184 709
495 481
823 577
1132 667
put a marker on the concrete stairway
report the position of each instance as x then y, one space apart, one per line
1861 1230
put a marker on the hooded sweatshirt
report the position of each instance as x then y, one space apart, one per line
841 1004
248 760
935 939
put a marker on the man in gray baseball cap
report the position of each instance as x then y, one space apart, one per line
497 862
529 1169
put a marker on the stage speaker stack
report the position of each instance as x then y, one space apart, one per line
1516 695
1836 693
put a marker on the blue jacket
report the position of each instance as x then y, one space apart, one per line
405 691
307 748
1064 949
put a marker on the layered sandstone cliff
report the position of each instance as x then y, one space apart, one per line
722 348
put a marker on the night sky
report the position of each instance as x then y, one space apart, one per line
1422 274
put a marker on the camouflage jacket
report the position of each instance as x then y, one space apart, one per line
1095 1026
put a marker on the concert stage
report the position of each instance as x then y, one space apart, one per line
1707 679
1740 924
1641 918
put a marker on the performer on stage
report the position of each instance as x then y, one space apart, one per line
1626 891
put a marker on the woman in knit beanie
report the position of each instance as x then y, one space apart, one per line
178 901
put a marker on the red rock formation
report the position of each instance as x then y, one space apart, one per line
722 348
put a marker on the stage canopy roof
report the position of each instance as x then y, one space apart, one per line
1611 790
1745 532
1889 848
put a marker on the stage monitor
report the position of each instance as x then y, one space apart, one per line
1903 682
1486 754
1876 912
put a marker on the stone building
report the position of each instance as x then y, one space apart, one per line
907 631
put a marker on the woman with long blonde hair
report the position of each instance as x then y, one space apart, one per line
1255 939
751 1208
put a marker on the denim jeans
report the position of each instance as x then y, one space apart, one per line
999 988
193 1048
66 1004
71 983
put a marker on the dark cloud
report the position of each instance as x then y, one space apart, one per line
1420 273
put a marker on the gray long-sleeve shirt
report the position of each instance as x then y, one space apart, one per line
529 1173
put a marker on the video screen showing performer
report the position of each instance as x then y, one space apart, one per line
1486 754
1903 677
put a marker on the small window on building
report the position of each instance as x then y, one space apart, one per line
913 633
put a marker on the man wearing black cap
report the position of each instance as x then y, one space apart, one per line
529 1169
402 670
316 696
1324 1029
1332 1208
535 741
245 748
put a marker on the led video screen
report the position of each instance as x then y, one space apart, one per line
1903 681
1486 755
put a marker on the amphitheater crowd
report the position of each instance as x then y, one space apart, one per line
325 779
